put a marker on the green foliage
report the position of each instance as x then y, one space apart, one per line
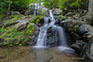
18 5
66 3
30 30
22 5
36 19
11 36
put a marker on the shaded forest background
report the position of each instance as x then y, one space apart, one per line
23 5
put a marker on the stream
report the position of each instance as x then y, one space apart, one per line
29 54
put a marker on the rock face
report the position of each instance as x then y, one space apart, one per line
80 31
52 37
80 28
78 45
87 51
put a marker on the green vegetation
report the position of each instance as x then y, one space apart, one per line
23 5
11 36
15 5
36 19
66 3
30 30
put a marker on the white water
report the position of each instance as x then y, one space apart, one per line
51 15
41 41
36 8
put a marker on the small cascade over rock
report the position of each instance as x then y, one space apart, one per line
36 8
51 34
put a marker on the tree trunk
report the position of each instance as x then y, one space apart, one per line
90 13
91 8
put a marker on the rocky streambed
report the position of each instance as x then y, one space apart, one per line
29 54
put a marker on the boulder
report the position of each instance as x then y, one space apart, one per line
82 30
88 36
75 36
78 45
87 51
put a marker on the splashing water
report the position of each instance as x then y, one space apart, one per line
41 41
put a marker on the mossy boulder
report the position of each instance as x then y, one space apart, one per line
18 30
42 11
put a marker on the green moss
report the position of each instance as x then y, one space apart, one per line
61 18
36 19
14 18
26 40
12 37
38 12
30 30
41 12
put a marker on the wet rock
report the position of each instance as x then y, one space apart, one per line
52 37
82 30
75 36
78 45
87 51
88 36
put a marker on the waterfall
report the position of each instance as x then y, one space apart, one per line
36 5
51 15
61 35
41 41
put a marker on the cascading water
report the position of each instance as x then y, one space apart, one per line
41 41
61 35
36 5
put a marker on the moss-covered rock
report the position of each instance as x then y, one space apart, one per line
18 30
37 20
42 11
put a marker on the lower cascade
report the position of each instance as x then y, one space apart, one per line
43 40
